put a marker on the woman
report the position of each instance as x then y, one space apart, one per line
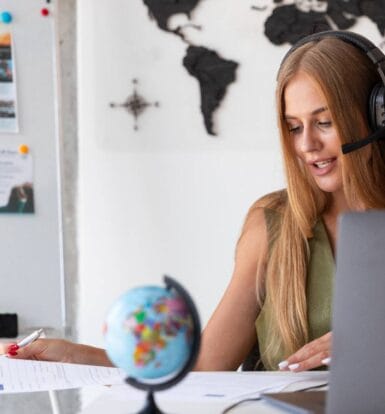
280 293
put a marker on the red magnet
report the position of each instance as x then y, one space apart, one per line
44 12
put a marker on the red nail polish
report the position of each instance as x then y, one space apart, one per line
12 353
13 347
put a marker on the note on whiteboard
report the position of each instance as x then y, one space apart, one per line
8 106
18 375
16 180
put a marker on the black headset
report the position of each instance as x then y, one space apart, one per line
376 101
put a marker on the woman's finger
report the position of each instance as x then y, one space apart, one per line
312 362
30 351
8 348
320 346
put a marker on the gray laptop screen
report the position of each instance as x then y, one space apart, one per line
357 378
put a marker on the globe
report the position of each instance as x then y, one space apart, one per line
153 334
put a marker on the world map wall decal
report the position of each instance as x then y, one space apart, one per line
289 22
286 22
213 72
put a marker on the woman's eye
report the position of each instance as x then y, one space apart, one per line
293 129
324 124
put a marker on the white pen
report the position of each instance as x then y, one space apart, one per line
30 338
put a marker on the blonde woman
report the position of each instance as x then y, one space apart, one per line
279 297
287 247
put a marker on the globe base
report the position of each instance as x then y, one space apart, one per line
150 407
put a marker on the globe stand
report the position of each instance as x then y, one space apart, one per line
151 407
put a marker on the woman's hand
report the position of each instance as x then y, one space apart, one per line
57 350
312 355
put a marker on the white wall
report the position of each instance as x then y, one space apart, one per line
168 198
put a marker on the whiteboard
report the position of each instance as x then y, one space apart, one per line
32 277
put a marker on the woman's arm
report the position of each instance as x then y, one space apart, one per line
230 333
58 350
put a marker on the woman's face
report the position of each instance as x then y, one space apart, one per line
314 136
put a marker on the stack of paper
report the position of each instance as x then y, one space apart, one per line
18 375
26 376
229 386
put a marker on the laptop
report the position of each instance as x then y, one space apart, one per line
357 371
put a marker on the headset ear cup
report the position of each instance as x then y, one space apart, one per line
376 108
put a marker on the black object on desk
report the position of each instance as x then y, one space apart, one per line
310 402
8 325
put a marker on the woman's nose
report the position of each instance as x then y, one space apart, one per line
309 140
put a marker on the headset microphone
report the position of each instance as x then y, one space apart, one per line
378 135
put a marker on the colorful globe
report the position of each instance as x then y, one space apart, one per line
149 333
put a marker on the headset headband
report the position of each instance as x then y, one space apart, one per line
355 39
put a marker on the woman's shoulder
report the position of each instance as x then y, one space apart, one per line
276 201
264 216
263 213
271 203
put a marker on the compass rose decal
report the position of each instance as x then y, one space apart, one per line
135 104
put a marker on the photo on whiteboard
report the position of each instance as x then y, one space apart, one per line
5 67
7 109
16 184
8 104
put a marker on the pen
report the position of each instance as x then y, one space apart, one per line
30 338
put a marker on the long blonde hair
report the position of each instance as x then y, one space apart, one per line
345 77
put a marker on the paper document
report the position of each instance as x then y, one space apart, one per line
18 375
223 386
205 392
236 385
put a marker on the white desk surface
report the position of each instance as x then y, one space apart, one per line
114 400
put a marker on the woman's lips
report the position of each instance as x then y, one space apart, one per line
320 168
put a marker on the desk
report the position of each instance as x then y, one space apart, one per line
121 400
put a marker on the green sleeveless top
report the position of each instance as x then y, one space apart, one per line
319 289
